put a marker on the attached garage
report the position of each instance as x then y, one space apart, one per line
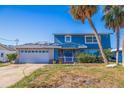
36 54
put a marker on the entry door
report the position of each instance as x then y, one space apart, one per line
68 53
68 56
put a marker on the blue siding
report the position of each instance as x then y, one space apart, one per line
120 56
80 40
106 41
56 54
88 51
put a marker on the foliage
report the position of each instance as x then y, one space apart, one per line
113 16
3 64
81 12
86 58
11 57
114 19
109 54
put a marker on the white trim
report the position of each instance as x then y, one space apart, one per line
65 59
113 50
36 46
69 37
82 46
92 39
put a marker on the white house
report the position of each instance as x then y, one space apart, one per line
4 50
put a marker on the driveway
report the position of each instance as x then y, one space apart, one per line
15 72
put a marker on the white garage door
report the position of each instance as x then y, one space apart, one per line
34 56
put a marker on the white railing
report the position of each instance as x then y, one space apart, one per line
67 59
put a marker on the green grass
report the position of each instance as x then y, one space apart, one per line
3 64
79 75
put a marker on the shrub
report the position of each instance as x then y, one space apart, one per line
109 54
11 57
86 58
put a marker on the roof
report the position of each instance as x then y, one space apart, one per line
79 33
36 46
5 47
50 45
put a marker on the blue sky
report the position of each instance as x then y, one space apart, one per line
38 23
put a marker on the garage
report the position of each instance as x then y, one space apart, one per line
35 53
34 56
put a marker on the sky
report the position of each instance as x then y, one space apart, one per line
32 24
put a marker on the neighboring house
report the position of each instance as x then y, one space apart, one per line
4 50
120 54
64 48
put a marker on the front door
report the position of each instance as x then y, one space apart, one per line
68 56
68 53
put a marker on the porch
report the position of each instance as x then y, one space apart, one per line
68 55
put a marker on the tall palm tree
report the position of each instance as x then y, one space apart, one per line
83 12
114 19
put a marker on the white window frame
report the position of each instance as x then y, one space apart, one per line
92 39
69 37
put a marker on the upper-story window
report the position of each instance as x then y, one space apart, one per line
90 39
68 38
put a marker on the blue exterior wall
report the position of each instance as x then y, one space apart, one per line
56 54
80 39
120 56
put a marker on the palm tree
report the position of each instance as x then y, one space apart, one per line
114 19
83 12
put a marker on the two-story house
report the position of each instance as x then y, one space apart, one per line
65 48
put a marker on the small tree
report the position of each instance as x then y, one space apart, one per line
11 57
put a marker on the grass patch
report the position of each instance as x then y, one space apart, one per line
4 64
74 76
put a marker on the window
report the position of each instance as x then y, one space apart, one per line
40 51
90 39
26 51
46 51
21 51
2 55
43 51
29 51
68 38
36 51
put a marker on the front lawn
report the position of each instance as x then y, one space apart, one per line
74 76
3 64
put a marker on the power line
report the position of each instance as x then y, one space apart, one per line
16 40
6 39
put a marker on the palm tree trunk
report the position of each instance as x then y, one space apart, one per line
98 40
118 44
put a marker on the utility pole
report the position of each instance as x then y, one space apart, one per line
123 51
17 41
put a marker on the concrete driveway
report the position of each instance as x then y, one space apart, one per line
15 72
